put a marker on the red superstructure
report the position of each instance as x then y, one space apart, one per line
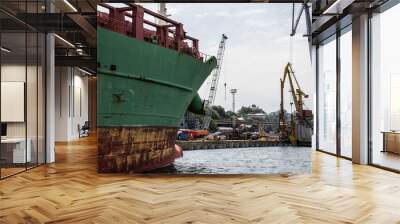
171 35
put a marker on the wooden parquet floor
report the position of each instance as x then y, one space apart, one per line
70 191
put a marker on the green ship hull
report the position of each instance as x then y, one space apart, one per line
143 91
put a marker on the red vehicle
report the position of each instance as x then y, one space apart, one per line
187 134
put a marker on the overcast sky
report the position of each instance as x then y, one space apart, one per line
256 52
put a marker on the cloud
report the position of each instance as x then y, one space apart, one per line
256 51
258 23
287 38
175 9
221 14
252 12
201 15
232 13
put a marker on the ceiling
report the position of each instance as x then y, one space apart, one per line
75 21
332 15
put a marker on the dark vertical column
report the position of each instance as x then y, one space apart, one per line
26 86
162 33
37 90
369 71
179 36
137 21
117 20
92 103
317 97
73 91
44 70
338 91
1 164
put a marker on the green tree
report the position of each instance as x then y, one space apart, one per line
220 110
253 109
213 127
215 115
230 114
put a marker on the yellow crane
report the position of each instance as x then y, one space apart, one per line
297 95
261 132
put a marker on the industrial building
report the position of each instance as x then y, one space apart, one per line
48 100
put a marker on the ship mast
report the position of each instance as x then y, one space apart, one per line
162 10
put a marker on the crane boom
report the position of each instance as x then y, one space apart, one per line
214 82
297 95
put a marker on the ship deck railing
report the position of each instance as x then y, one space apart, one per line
168 33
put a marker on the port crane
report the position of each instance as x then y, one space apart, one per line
301 126
214 82
297 94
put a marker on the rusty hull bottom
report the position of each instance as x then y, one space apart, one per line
134 149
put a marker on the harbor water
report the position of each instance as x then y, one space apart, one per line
258 160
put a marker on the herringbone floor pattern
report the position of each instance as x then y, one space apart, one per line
70 191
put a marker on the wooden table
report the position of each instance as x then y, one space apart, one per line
391 141
13 150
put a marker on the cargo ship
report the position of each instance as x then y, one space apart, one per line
148 75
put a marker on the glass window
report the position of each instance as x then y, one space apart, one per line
22 92
385 89
346 94
14 153
327 96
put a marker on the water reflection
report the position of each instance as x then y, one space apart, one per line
267 160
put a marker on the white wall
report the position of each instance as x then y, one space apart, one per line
71 102
62 82
33 126
81 104
16 73
11 73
